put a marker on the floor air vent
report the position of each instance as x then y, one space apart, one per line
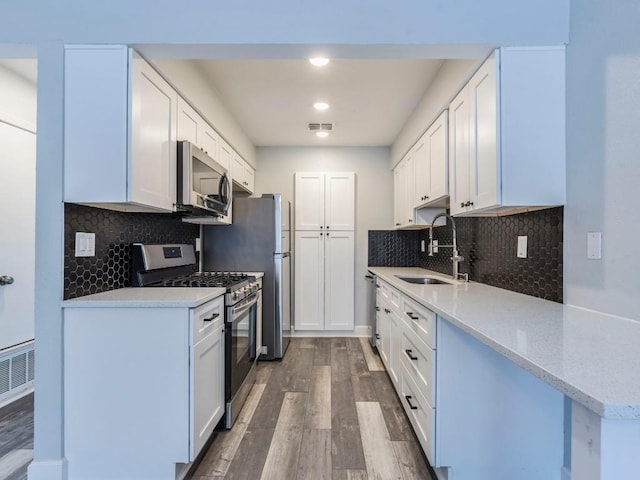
16 371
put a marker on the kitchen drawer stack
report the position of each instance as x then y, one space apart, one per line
406 341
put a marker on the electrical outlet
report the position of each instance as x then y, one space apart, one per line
522 246
85 244
435 246
594 245
422 247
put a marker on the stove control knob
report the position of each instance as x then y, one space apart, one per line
235 295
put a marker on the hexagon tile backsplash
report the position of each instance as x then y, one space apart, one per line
115 232
488 245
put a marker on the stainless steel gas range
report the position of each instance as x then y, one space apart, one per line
175 266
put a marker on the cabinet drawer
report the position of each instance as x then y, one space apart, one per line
421 320
206 318
395 300
419 361
384 289
421 415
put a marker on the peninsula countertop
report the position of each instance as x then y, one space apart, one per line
147 297
589 356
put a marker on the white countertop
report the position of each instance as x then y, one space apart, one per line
591 357
149 297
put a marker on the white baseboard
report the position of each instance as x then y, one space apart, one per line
16 394
358 331
48 470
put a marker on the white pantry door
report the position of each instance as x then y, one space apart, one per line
17 233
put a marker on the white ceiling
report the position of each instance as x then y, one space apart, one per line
272 100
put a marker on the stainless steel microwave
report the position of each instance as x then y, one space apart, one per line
204 187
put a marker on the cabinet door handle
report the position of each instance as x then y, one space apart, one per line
412 316
320 233
327 227
408 352
377 309
397 225
461 204
321 227
411 406
377 336
387 310
212 317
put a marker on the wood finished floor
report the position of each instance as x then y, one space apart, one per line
16 438
326 411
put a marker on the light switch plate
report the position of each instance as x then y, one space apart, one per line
85 244
522 246
594 245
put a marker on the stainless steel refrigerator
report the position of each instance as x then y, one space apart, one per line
259 240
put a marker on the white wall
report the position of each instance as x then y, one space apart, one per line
450 78
17 95
374 191
287 21
191 83
17 205
603 155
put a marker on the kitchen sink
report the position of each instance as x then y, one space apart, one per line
423 280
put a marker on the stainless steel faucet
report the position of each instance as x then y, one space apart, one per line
456 258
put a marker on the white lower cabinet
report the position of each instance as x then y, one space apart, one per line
408 352
143 388
421 415
324 279
207 373
476 414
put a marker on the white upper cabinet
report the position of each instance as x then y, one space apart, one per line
325 201
406 215
189 123
431 165
507 134
242 174
225 154
195 129
120 130
339 201
309 201
210 142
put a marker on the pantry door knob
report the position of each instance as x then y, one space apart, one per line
6 280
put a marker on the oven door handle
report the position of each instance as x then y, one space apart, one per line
239 310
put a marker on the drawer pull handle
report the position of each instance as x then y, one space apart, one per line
377 336
377 309
408 351
212 317
411 406
412 316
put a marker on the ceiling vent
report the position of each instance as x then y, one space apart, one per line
317 127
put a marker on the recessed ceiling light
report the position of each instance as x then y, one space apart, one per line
319 61
322 134
320 105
